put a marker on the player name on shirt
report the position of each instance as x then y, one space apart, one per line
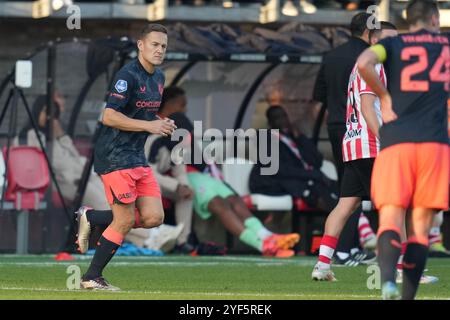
425 38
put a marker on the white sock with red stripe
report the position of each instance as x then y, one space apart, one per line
400 259
326 251
435 235
365 230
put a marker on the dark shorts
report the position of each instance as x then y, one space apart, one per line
356 178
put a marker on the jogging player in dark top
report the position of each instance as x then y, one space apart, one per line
129 116
412 169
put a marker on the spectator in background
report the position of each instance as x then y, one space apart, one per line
67 162
174 184
299 175
214 197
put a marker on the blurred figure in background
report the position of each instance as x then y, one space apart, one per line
299 175
67 162
213 196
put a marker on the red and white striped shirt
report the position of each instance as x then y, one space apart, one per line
359 142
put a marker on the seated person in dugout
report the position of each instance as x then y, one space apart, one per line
212 196
174 184
299 173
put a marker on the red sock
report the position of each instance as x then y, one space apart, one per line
364 228
326 251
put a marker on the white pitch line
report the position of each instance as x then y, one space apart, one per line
174 258
250 259
219 294
153 263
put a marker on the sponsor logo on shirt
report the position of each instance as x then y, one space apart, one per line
116 95
148 104
121 86
142 89
160 89
352 134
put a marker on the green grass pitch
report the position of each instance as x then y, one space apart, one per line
200 278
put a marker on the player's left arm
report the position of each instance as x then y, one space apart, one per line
366 67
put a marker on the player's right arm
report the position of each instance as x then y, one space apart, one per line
118 120
122 88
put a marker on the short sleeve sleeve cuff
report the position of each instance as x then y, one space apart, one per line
120 91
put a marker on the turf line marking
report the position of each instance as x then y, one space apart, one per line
219 294
225 294
156 263
173 258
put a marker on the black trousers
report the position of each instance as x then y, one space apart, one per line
349 237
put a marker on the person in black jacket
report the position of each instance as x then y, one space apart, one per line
332 81
331 89
299 175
